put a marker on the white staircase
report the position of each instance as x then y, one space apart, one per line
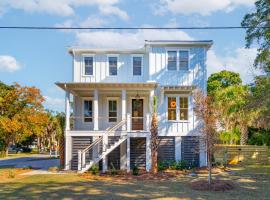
99 149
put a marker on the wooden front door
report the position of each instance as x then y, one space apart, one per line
137 114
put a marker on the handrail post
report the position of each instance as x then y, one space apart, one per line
148 122
83 159
105 142
128 121
79 160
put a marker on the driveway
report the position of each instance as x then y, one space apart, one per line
37 161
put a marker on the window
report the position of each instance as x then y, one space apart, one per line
112 111
137 66
183 60
183 108
88 65
88 108
113 66
171 108
172 60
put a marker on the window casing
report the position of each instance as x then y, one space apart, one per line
88 110
183 108
171 108
113 65
112 110
137 65
172 61
88 65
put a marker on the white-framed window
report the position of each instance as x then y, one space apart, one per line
88 65
87 110
137 63
183 59
113 63
183 108
172 108
177 108
177 59
172 60
112 110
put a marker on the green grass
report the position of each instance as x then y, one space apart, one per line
253 182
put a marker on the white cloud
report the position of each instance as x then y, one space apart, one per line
93 21
240 60
202 7
9 63
112 39
108 10
54 103
62 7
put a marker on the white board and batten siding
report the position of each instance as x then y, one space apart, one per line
101 69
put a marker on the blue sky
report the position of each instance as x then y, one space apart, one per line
40 58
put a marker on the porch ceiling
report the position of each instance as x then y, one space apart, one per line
76 87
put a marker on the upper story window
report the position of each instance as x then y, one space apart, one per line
112 111
183 108
171 108
88 110
183 60
172 60
113 66
88 65
137 65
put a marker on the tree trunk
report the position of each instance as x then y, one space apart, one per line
154 143
209 159
244 136
62 151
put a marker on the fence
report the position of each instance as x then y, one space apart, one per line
246 154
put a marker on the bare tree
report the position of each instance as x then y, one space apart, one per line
207 116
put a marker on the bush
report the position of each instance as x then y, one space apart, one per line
135 170
113 170
169 164
259 136
11 174
94 169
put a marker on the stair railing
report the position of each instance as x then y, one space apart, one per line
99 143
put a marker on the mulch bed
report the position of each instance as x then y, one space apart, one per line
216 185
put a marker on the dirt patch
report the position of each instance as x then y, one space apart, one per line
216 185
12 174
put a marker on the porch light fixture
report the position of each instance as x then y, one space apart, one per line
137 97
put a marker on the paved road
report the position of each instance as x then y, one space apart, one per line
38 161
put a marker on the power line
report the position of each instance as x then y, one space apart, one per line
129 28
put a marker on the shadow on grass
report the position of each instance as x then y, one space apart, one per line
71 186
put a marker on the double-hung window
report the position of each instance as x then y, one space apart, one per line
112 111
172 61
88 110
183 108
171 108
178 108
137 65
113 66
183 60
88 66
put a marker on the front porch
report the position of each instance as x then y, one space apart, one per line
97 107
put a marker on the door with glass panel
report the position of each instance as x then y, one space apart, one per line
137 114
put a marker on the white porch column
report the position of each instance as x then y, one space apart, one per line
124 108
178 148
67 108
128 154
96 110
67 129
128 122
148 153
203 153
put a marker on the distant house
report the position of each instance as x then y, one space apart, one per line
113 90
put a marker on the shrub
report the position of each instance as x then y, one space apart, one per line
53 169
113 170
28 167
135 170
169 164
11 174
94 170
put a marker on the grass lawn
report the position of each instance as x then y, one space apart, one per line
253 182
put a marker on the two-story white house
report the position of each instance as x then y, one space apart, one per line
112 92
